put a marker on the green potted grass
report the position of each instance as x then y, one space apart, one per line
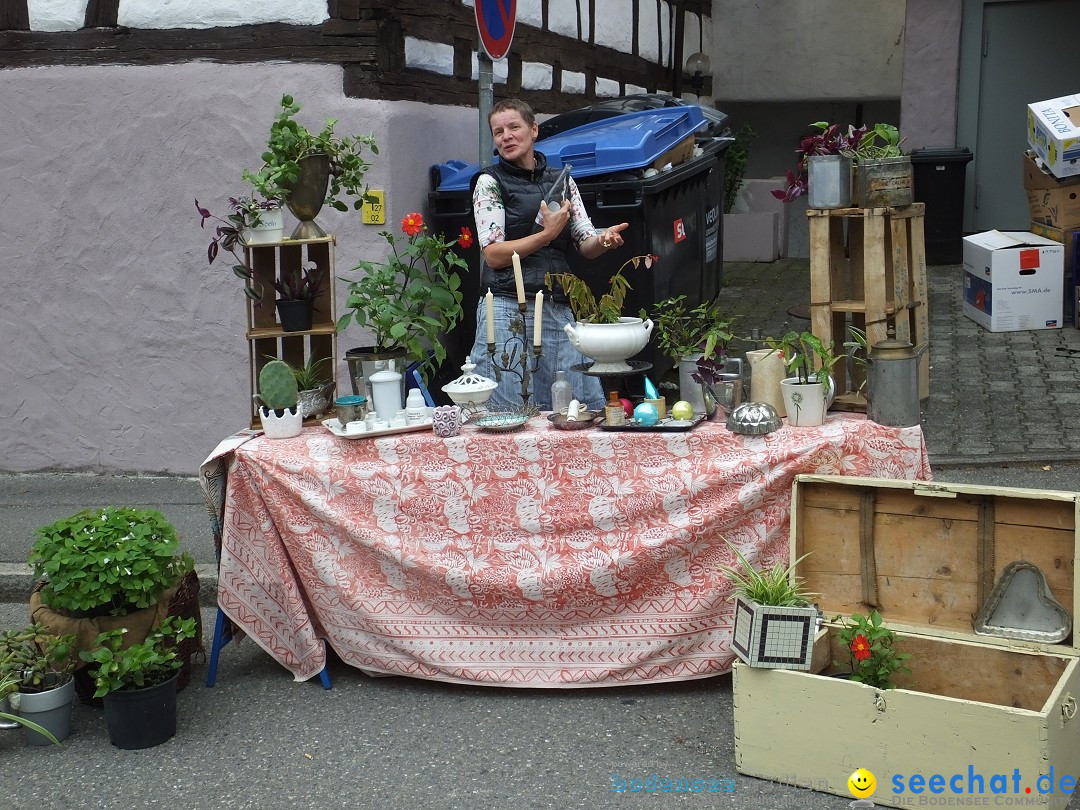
137 683
775 622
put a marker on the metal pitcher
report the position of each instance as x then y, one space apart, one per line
892 383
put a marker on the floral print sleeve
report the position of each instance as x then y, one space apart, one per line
488 211
490 215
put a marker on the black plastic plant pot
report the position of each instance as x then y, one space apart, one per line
141 718
295 315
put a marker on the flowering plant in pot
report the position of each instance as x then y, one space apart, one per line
37 667
412 298
138 682
872 650
311 168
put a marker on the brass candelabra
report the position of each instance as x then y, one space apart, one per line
515 355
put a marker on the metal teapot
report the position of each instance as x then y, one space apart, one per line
892 383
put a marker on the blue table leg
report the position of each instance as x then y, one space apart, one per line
222 636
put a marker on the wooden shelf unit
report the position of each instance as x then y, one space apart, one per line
868 270
266 339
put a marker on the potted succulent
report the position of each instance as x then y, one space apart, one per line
871 647
110 567
314 391
601 331
775 622
810 390
297 291
36 666
689 335
309 169
9 684
278 399
410 300
138 683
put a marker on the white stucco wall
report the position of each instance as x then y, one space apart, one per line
213 13
56 15
124 350
797 50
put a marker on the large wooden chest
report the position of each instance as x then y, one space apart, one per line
977 711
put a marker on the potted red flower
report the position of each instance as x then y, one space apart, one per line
871 647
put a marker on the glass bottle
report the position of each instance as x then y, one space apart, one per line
558 192
613 410
561 392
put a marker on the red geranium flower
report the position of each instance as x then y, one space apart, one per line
412 224
465 240
860 648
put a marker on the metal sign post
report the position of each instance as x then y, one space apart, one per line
495 22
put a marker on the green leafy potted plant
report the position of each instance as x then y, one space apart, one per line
689 335
309 169
775 622
37 667
110 567
413 298
138 683
872 651
601 331
810 390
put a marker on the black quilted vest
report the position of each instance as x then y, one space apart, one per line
522 192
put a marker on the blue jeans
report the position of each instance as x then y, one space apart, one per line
558 355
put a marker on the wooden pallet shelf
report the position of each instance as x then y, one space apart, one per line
266 339
868 270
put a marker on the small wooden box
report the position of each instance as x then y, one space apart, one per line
927 556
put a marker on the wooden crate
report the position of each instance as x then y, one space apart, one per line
926 555
868 270
266 339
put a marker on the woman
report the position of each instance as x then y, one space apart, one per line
511 217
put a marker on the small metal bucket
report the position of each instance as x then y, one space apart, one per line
884 183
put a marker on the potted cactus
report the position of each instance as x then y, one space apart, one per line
278 401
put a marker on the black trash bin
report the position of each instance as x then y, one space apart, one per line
939 176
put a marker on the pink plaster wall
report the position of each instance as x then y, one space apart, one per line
120 349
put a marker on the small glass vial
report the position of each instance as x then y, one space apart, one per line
613 411
561 392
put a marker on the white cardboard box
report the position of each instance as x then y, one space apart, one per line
1053 131
1013 281
981 720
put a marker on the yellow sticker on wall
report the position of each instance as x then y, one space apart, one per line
373 211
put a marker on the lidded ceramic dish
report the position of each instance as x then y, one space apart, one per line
754 419
470 390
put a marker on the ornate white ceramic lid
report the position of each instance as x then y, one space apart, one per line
469 382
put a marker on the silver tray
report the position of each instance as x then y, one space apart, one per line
667 425
1021 606
334 426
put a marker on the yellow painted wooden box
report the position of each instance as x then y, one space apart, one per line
977 712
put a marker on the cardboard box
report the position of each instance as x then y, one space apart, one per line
1013 281
1071 240
928 556
1052 201
1053 131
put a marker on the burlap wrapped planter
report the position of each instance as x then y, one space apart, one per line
181 601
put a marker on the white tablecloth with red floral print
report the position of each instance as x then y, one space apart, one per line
538 558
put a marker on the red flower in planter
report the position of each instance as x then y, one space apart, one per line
860 648
412 224
465 240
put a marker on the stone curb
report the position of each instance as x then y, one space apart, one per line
17 580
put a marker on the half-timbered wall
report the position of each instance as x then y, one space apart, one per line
564 51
